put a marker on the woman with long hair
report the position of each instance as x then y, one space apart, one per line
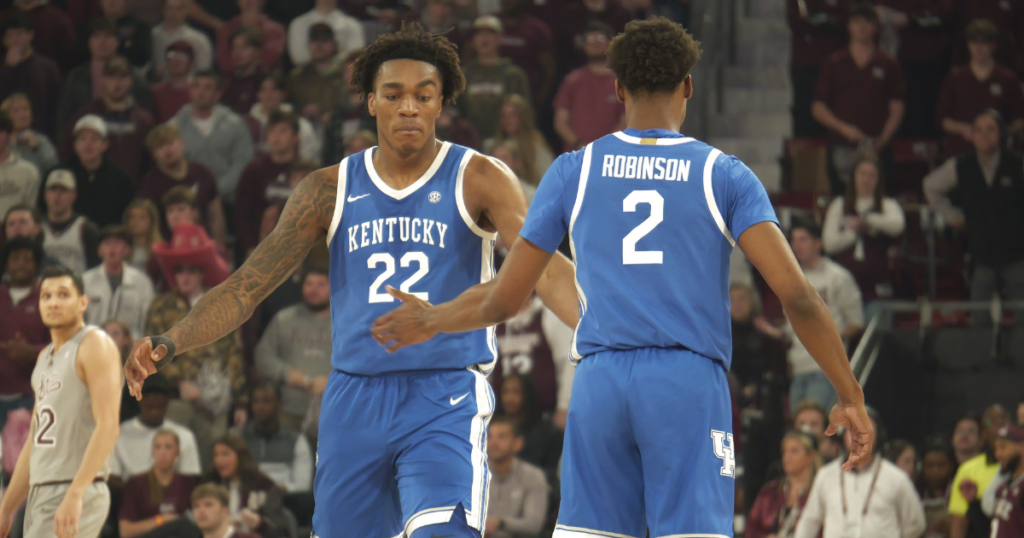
256 502
516 123
33 146
542 442
777 507
860 228
143 222
158 497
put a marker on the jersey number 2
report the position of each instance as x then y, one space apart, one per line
45 419
376 296
630 255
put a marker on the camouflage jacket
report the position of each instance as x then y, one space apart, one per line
215 368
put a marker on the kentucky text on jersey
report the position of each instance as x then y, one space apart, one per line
409 229
634 167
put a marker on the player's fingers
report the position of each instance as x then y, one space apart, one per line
400 295
832 429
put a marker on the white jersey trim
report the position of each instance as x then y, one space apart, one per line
460 200
339 202
432 516
476 514
657 141
574 355
402 194
486 274
709 194
565 531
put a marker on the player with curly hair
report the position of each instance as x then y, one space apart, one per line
652 218
402 447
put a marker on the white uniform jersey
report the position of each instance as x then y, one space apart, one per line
68 247
63 421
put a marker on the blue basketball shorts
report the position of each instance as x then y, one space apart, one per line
648 445
400 452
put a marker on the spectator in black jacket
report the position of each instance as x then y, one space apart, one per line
237 470
24 71
104 189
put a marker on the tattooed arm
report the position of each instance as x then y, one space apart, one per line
304 221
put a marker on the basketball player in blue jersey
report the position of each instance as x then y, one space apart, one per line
401 448
652 217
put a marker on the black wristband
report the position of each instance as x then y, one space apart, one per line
166 342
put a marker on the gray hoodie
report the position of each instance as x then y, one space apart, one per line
226 151
19 183
296 338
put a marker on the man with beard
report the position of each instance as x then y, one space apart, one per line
77 383
1008 516
295 349
127 122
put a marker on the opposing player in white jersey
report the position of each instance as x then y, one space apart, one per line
77 383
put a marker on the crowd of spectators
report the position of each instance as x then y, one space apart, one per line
150 145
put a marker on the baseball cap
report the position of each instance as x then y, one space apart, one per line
1010 432
321 31
488 22
91 121
183 47
61 178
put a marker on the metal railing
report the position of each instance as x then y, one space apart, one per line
865 357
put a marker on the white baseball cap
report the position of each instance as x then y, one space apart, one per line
91 121
61 178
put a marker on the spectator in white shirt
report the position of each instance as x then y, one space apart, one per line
133 452
861 227
116 289
875 500
347 31
839 291
174 28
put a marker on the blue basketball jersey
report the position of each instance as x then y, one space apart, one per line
652 217
420 240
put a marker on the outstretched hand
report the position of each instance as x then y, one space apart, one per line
141 364
853 417
405 325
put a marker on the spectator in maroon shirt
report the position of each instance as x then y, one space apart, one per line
241 85
976 86
528 42
819 29
172 170
251 16
55 34
916 32
586 107
174 92
1007 15
570 28
777 507
127 122
267 171
158 498
22 333
26 72
859 97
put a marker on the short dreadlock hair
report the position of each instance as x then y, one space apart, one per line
653 56
411 42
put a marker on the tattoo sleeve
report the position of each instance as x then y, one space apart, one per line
304 220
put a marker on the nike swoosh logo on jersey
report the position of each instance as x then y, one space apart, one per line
455 401
353 199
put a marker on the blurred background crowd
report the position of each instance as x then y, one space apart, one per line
151 145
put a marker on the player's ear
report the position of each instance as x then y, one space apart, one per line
83 302
688 87
371 103
620 91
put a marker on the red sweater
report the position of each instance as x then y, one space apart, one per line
24 319
766 515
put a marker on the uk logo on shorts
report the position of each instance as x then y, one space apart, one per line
725 452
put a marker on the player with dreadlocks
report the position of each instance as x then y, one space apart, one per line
402 435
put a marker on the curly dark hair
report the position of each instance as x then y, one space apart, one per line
653 56
411 42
